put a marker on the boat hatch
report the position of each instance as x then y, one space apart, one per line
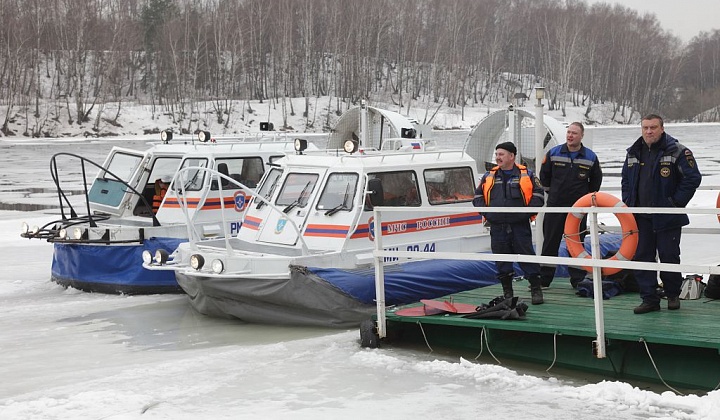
108 192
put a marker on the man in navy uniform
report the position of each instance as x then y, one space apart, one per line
568 172
658 172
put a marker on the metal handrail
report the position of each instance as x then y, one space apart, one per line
215 175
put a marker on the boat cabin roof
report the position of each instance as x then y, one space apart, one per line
424 154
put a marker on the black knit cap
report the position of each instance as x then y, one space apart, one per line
509 146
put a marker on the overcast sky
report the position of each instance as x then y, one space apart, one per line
684 18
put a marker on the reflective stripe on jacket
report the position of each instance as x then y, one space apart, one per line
567 179
675 177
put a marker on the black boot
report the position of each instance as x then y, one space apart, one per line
535 289
547 274
506 280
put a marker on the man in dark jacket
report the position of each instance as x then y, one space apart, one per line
658 172
568 172
511 185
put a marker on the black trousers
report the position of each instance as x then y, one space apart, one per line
653 246
553 229
513 238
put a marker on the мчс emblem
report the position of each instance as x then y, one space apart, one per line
665 172
280 225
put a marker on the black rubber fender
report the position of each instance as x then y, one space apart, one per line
368 334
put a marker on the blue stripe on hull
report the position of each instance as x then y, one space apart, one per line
113 268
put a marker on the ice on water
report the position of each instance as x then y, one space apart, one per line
68 354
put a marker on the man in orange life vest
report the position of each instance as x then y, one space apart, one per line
511 185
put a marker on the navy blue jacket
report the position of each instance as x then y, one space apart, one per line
675 177
567 179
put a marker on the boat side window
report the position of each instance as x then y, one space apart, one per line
246 171
400 188
449 185
192 179
297 189
339 192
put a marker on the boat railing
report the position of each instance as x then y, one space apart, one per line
193 234
595 261
380 156
69 216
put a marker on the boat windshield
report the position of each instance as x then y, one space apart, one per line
192 180
268 186
124 165
339 192
297 190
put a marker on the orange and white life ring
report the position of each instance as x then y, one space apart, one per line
717 205
627 224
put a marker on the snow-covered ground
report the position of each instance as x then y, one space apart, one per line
140 120
73 355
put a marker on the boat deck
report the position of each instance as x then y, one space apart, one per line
677 347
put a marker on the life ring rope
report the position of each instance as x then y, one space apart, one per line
628 226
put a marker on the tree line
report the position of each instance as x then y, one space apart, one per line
174 54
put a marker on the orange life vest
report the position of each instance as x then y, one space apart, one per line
526 184
160 191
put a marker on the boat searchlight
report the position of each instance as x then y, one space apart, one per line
161 256
218 266
300 145
26 229
197 261
80 233
166 136
350 146
204 136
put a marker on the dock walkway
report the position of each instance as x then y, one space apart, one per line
680 348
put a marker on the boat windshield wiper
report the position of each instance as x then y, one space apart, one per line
192 181
298 200
341 206
266 196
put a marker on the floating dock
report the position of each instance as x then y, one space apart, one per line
676 348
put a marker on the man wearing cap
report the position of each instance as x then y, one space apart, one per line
568 172
511 185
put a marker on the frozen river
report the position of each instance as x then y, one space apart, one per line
74 355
